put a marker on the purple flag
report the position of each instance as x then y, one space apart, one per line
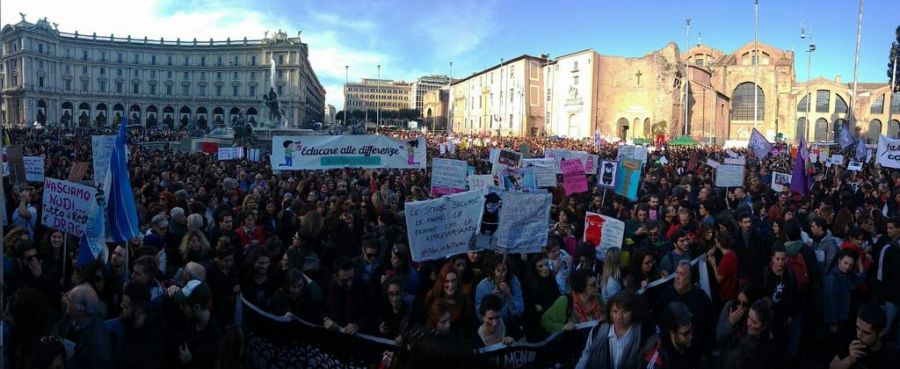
800 181
759 145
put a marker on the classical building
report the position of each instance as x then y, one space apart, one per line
504 99
330 112
643 97
372 94
434 108
56 77
423 85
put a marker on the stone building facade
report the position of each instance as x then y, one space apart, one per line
54 77
434 108
506 99
423 85
374 94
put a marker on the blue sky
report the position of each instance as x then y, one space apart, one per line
412 38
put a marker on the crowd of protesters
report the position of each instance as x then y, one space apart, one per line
808 281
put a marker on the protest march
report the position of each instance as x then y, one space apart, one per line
381 250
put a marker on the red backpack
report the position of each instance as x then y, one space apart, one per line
797 265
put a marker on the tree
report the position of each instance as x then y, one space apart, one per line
339 116
894 55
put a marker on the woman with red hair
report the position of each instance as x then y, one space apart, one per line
446 291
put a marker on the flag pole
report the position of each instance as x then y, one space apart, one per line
2 245
755 60
851 116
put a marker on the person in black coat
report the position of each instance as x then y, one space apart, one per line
698 303
541 291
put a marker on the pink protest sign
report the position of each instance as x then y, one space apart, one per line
574 180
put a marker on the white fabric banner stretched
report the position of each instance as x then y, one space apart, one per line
101 151
346 151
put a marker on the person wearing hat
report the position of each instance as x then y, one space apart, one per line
202 334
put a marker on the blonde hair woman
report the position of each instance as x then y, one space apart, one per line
195 247
611 277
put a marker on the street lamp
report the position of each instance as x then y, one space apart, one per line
346 92
804 33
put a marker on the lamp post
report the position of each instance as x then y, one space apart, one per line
812 47
447 125
346 92
378 103
687 44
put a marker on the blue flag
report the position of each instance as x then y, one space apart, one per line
844 137
113 216
860 149
121 211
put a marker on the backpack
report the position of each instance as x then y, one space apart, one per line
797 265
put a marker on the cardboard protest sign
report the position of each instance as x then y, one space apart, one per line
519 179
607 176
837 159
230 153
34 168
574 180
603 232
628 178
443 227
15 155
480 182
714 164
448 176
101 151
730 176
524 221
740 160
854 165
780 180
640 153
509 159
79 169
544 171
66 206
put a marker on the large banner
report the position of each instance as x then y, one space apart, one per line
888 152
448 176
101 151
66 206
357 151
444 226
524 221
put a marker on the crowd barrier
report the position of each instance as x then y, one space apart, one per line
281 342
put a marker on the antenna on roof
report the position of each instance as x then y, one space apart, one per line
699 38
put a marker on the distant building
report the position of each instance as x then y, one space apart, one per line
372 94
505 99
423 85
434 109
71 79
330 113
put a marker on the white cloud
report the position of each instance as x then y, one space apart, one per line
456 35
329 53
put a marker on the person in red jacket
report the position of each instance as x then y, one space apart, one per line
249 232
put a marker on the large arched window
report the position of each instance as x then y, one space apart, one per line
894 129
895 103
821 130
804 104
877 106
840 105
801 129
823 101
622 125
742 102
874 131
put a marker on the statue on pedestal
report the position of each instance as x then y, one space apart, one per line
271 100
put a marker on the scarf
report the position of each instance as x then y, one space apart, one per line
582 315
601 356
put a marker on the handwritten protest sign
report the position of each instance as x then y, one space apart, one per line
730 176
448 176
544 171
854 165
480 182
101 151
740 160
443 227
230 153
66 206
603 232
574 180
607 176
524 220
34 168
837 159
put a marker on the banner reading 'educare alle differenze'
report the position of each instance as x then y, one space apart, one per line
360 151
